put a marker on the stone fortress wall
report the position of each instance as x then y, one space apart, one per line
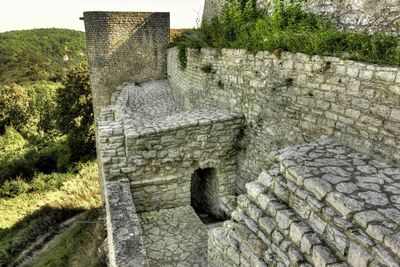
153 154
211 131
118 45
360 15
289 99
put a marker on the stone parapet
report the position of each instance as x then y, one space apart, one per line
125 243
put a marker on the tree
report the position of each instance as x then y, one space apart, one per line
14 106
75 112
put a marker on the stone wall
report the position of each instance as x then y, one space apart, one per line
212 8
288 99
121 43
125 242
159 154
360 15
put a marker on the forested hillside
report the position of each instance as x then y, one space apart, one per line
40 54
47 169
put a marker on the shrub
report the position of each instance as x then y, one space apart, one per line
49 182
14 188
241 25
14 106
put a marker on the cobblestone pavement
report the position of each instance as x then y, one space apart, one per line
150 107
364 190
152 99
174 237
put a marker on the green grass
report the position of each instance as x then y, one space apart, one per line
241 25
78 246
30 215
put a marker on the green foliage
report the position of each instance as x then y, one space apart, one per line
12 145
30 108
75 112
241 25
33 55
192 39
19 158
40 183
14 106
14 188
51 199
42 99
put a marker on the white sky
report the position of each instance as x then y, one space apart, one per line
29 14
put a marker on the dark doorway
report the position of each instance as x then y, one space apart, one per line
204 195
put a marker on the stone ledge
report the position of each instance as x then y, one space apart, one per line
125 241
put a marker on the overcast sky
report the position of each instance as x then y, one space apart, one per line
29 14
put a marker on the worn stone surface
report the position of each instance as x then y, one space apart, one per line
125 241
174 237
285 209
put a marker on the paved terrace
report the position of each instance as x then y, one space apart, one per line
151 145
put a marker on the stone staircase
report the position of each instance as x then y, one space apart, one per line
322 204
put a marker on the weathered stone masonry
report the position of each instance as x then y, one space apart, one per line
119 44
293 98
150 149
166 148
162 148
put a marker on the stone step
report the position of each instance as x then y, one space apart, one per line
359 193
284 228
235 245
338 232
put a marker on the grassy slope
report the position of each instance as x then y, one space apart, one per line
78 246
28 216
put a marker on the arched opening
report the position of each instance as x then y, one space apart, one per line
204 195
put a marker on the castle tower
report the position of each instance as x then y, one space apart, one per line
121 43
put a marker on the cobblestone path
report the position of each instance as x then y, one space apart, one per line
174 237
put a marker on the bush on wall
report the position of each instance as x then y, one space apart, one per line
241 25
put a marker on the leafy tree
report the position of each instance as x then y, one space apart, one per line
42 99
75 112
14 106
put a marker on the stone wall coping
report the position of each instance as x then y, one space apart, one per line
125 240
289 55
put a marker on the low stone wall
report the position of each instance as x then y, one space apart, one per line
288 99
125 242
